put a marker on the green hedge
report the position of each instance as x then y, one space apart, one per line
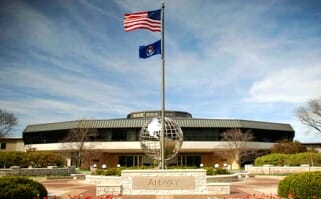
22 188
44 159
34 159
302 186
304 158
213 171
108 172
278 159
8 159
117 171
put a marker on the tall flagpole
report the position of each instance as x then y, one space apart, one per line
162 136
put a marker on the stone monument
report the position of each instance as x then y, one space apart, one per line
160 183
163 182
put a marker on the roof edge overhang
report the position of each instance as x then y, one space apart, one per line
182 122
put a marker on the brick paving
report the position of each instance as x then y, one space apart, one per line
61 188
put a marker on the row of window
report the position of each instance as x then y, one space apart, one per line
143 160
115 135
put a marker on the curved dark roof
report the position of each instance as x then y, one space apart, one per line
138 123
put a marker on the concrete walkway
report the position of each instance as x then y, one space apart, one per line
259 185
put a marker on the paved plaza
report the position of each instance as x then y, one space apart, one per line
62 188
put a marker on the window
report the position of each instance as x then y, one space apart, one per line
3 146
200 134
190 160
119 135
130 160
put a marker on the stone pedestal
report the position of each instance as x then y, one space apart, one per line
105 184
159 184
164 182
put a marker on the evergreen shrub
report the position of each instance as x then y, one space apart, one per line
302 185
21 187
284 187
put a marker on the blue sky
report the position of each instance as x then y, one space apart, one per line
252 60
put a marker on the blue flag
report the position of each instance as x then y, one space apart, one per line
150 50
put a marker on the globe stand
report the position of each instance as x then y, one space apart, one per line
151 143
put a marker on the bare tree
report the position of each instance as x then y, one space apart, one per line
238 143
310 114
76 139
249 155
288 147
7 121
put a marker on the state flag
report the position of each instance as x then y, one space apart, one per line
150 50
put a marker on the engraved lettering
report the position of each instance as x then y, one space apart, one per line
163 182
151 182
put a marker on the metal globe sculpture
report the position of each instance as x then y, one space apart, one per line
150 138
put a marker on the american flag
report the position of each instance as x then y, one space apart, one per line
150 20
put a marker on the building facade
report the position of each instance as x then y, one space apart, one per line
11 144
115 142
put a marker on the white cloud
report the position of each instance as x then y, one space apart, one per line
295 85
24 20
